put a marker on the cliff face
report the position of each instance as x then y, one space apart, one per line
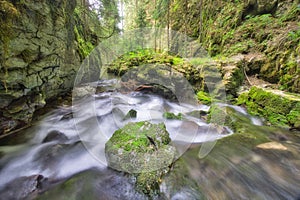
39 55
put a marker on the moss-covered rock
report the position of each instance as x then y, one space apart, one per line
139 147
279 108
169 115
144 150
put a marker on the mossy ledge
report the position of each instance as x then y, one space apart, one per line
278 107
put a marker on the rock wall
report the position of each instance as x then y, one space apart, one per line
39 56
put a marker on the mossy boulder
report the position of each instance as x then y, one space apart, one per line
143 150
140 147
279 108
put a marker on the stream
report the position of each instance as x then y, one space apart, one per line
62 155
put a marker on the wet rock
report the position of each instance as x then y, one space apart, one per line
142 149
67 116
131 114
94 184
79 92
6 125
55 136
177 185
51 155
22 187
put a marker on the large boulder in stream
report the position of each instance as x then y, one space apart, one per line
144 150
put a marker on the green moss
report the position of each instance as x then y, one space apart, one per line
177 61
142 149
131 138
141 57
204 97
134 136
281 109
292 13
85 47
8 14
242 99
169 115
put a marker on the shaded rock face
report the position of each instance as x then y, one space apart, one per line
159 79
257 7
39 56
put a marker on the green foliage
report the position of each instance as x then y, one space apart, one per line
85 47
292 13
141 20
294 35
204 97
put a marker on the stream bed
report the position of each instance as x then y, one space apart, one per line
62 155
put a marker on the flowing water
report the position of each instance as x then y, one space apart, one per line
62 156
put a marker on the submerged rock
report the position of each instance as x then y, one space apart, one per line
22 187
142 149
55 136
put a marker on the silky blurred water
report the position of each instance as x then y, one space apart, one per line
81 131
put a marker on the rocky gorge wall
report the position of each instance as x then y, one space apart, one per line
39 56
268 31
